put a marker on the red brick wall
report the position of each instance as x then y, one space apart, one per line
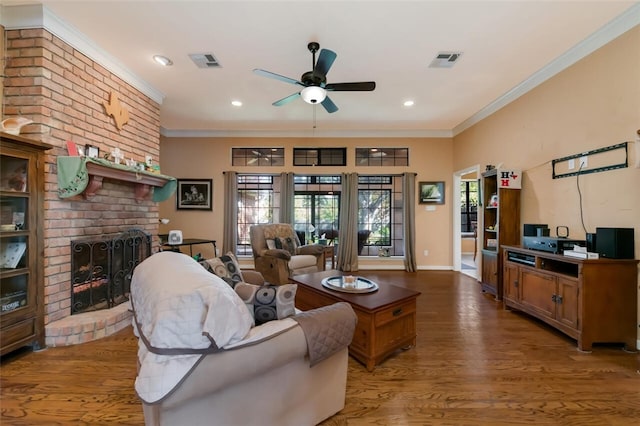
62 91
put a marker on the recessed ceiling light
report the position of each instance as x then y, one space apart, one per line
236 103
408 103
163 60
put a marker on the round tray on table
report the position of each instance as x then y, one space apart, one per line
359 284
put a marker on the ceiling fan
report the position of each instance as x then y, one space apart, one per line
314 82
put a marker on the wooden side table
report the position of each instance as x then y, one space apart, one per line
329 251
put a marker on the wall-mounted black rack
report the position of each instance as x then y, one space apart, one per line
622 165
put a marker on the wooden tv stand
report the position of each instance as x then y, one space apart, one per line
592 301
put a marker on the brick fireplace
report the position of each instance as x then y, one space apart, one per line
62 90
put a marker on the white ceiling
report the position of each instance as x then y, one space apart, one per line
508 47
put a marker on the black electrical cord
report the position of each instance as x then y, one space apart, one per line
580 196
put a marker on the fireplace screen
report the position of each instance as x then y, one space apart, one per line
101 269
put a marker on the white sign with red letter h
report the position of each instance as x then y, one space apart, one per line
509 179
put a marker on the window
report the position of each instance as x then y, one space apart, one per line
317 210
317 206
258 202
382 156
380 215
263 157
468 204
319 156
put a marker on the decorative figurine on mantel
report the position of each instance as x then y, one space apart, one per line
117 155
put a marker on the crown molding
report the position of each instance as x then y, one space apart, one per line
38 16
311 133
610 31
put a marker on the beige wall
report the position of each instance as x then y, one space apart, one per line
207 158
593 104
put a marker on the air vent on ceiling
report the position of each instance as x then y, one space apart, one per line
445 60
204 60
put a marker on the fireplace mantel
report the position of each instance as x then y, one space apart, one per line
84 175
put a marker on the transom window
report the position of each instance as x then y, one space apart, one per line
257 157
382 156
319 156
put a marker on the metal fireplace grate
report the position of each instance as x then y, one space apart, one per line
101 269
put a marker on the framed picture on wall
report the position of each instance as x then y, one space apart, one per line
194 194
91 151
431 192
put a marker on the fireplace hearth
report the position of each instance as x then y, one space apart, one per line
101 269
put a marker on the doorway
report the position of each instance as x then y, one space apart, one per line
465 244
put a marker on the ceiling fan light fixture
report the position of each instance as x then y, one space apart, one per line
313 94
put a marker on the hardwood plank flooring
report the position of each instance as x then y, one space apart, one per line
474 364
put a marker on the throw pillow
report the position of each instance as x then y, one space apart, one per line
288 244
271 244
226 267
268 302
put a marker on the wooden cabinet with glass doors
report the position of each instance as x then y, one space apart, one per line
21 245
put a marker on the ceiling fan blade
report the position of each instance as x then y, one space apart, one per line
329 105
275 76
325 60
362 86
286 100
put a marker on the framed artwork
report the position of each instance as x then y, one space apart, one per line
91 151
194 194
431 192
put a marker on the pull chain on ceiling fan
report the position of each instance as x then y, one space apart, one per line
314 82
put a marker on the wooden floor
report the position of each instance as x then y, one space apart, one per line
474 364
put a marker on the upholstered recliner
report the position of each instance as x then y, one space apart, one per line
278 254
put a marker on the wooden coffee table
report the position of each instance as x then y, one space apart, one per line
386 317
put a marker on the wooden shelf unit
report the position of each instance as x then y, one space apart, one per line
592 301
501 225
21 277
